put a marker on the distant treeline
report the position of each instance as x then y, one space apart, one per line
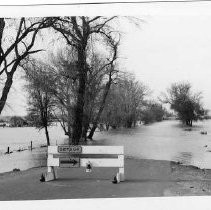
17 121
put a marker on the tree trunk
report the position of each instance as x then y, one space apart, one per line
189 122
79 108
6 90
2 25
47 136
69 127
107 88
86 122
186 122
84 132
129 124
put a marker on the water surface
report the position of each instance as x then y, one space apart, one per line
165 140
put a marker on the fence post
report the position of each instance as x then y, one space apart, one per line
31 145
8 150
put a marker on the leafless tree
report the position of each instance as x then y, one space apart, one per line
17 38
40 94
125 100
79 33
65 86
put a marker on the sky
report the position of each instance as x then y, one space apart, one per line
163 50
170 49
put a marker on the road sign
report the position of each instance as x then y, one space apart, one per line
70 149
70 162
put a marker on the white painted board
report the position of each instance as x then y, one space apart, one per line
100 162
112 150
95 162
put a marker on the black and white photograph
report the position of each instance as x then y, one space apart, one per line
103 104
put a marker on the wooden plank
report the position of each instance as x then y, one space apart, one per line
66 155
52 149
118 150
121 158
49 176
101 162
102 150
122 174
95 162
52 161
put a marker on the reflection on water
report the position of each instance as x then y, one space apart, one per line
165 140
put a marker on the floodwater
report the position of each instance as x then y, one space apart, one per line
20 139
165 140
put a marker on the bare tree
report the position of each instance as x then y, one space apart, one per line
126 99
78 33
65 86
17 47
184 102
111 73
40 97
99 77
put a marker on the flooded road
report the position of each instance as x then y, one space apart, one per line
165 140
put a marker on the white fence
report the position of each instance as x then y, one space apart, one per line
73 156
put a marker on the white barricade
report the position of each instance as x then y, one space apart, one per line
72 157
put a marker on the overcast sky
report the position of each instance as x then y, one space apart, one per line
170 49
166 49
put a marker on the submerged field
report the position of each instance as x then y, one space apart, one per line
165 140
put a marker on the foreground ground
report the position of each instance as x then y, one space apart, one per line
143 178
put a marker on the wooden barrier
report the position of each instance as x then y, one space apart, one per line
75 156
